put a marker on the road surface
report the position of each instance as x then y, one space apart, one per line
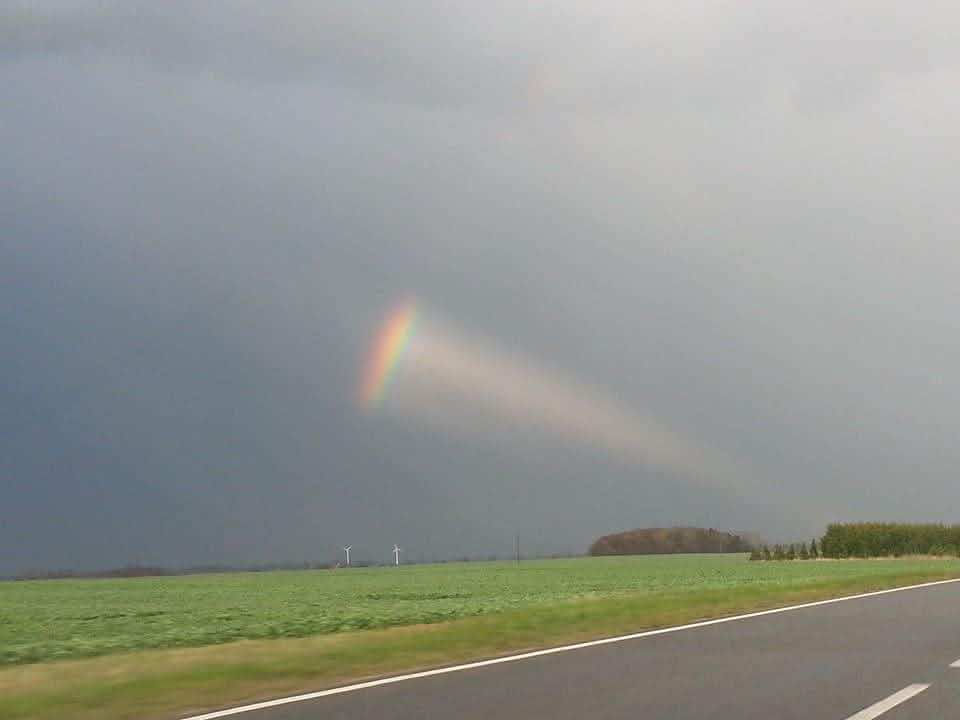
887 655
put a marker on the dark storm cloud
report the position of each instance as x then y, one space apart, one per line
422 54
739 221
619 54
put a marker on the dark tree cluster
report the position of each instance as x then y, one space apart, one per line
662 541
876 539
793 551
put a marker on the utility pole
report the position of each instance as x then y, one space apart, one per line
516 548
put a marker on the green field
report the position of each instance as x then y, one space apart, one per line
54 620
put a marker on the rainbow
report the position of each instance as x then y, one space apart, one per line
392 340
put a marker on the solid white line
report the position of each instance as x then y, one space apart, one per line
875 711
955 664
549 651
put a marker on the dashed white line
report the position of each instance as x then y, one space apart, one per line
878 709
561 649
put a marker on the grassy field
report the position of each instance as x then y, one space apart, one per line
344 624
49 620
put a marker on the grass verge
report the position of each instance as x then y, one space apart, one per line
178 682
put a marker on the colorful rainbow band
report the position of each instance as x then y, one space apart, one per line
385 355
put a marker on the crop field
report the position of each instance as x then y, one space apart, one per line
59 619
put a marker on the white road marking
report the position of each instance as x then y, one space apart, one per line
955 664
875 711
561 649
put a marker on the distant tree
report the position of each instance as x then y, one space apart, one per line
778 553
766 553
804 554
875 539
755 555
814 553
792 552
654 541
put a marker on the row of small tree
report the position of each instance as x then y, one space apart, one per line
890 540
793 551
865 540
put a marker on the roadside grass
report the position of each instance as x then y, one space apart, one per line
170 683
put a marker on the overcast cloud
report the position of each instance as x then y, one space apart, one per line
740 220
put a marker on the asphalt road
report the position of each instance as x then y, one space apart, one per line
830 661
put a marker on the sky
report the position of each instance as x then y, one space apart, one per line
739 220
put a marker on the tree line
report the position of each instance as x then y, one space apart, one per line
793 551
876 539
663 541
870 539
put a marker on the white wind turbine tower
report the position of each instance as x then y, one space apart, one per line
346 549
396 554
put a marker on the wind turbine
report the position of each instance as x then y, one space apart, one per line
396 554
346 549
